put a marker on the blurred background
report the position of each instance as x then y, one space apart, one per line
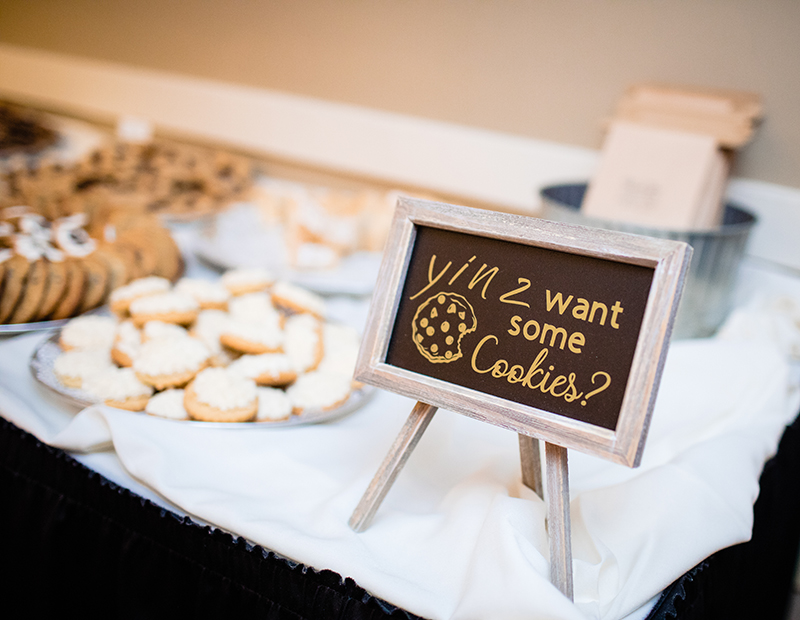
547 70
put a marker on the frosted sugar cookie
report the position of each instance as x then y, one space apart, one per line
252 307
127 341
303 341
272 369
158 330
72 368
208 295
167 404
297 299
169 307
217 395
341 344
119 387
120 298
273 405
254 337
243 281
88 332
208 327
318 391
170 362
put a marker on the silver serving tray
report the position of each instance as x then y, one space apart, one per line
45 354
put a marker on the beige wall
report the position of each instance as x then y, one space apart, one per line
548 69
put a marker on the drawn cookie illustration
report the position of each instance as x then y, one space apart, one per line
439 325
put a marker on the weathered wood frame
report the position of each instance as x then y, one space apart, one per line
669 260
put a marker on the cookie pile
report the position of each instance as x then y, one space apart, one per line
23 131
162 177
238 349
60 266
321 225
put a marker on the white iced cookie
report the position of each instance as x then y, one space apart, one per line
273 405
158 330
272 369
88 332
297 299
254 337
120 298
127 341
303 341
170 362
209 295
217 395
252 307
167 404
208 327
243 281
119 387
318 391
167 307
72 368
341 345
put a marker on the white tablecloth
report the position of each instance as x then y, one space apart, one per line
458 535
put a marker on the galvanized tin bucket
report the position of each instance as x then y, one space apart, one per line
718 252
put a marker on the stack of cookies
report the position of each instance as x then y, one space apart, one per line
238 349
58 262
158 177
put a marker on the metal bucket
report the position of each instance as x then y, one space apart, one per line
718 252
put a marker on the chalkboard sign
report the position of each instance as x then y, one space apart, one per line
552 330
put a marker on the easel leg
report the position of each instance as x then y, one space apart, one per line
558 518
398 454
531 463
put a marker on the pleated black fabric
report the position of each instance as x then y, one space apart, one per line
752 580
71 541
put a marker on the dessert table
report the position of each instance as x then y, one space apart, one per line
107 511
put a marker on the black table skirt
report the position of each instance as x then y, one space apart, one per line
72 541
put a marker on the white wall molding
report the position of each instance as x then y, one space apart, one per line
488 166
482 165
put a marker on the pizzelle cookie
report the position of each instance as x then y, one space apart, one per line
217 395
439 324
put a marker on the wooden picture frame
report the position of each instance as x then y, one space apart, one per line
667 259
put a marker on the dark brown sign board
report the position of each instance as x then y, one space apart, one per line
551 330
555 331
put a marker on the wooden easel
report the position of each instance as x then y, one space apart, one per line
558 520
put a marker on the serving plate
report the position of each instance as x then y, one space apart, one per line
43 360
236 238
21 328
